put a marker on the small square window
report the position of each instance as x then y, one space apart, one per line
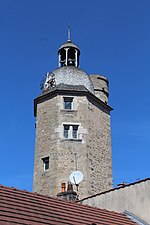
68 103
66 131
46 163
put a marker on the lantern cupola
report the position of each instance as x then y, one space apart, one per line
68 53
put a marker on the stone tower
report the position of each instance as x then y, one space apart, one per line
72 128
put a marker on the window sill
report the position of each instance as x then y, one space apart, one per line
68 110
72 139
46 170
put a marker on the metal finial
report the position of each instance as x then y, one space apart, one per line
69 33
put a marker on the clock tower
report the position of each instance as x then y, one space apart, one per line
72 127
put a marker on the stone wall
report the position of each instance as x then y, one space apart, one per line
101 86
89 153
46 145
99 153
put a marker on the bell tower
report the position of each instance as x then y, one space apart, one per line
68 54
72 127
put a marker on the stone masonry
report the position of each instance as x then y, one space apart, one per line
90 152
74 138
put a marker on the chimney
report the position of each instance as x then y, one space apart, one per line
63 187
68 195
123 184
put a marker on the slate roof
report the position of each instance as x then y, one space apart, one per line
22 207
68 90
68 44
69 75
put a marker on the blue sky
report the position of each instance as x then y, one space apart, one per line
114 39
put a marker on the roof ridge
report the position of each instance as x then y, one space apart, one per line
13 189
113 189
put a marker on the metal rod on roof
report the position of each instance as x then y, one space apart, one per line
75 155
69 33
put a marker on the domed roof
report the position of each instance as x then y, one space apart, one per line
71 75
68 44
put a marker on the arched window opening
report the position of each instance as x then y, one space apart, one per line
71 56
62 56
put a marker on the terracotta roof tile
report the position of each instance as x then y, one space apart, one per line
22 207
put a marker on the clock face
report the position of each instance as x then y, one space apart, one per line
48 81
43 82
76 177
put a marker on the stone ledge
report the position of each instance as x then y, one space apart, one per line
72 139
68 110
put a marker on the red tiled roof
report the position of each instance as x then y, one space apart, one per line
22 207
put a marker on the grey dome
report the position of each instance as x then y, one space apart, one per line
71 75
68 44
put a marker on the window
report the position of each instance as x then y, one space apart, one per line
68 103
46 163
71 131
74 131
66 131
71 57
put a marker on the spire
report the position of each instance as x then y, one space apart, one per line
69 40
